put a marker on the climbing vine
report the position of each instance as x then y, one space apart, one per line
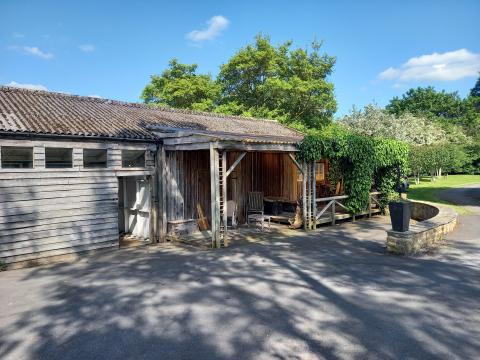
363 161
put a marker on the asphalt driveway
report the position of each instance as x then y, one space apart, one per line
333 293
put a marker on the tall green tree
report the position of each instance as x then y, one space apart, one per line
446 108
475 91
263 80
179 86
428 102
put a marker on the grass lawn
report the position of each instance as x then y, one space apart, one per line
428 190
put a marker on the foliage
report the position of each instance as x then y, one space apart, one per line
261 80
3 266
473 154
427 102
475 91
460 120
364 160
374 121
278 82
181 87
435 159
440 106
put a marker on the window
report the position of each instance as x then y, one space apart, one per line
95 158
58 158
17 157
133 158
320 171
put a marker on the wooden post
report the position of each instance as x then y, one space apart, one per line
126 216
304 195
153 208
369 206
214 196
309 210
314 196
162 196
224 196
333 212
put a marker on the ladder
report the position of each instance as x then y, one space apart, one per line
223 195
311 217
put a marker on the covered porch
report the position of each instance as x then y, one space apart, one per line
207 180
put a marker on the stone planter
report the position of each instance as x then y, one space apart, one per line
400 212
432 222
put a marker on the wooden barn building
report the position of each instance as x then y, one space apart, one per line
77 173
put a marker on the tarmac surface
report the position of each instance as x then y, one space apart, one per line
333 293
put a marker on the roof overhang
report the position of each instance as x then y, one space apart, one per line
185 139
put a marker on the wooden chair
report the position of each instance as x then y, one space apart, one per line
255 204
232 213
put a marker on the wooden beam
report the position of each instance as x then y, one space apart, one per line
186 140
324 209
162 184
234 165
304 196
340 197
224 196
153 209
295 162
241 146
314 196
188 147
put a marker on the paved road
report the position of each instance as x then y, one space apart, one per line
331 294
468 197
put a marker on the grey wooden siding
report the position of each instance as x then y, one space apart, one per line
50 212
188 180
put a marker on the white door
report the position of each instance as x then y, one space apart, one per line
137 207
142 229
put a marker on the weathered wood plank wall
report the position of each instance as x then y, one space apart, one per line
188 180
52 212
188 183
272 173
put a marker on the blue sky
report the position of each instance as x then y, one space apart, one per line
110 48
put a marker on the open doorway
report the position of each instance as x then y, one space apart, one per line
134 210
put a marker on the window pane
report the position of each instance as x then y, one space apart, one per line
133 158
58 158
95 158
320 171
17 157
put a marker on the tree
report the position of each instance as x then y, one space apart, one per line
374 121
179 86
446 108
277 82
475 91
435 105
436 159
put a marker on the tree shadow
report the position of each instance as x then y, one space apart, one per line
331 293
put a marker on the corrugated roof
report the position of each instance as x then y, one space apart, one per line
43 112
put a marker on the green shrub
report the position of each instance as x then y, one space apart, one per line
363 160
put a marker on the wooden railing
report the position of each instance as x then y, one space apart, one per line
328 213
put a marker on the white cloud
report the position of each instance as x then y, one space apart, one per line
87 48
27 86
214 27
448 66
33 50
95 96
18 35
